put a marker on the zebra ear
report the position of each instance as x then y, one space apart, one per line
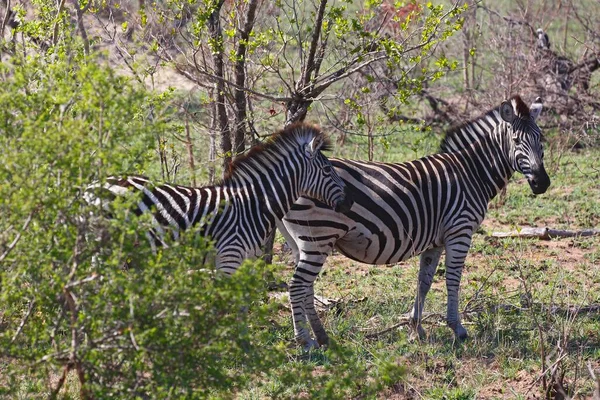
312 147
536 108
506 111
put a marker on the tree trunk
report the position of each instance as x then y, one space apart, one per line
216 34
240 81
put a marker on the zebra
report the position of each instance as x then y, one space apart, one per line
239 213
414 208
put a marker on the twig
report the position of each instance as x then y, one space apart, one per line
61 5
505 18
61 382
596 395
548 369
17 238
476 295
539 329
23 321
132 315
91 278
405 321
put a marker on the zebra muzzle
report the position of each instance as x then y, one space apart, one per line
539 181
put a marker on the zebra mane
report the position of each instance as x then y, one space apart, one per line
292 136
458 137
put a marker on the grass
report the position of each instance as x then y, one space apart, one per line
514 295
519 299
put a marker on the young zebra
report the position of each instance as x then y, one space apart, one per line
240 212
418 207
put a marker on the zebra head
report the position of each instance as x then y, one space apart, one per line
523 140
321 181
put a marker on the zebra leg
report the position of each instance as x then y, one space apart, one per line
302 298
313 317
428 263
456 252
299 288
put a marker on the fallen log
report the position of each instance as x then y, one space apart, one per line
546 233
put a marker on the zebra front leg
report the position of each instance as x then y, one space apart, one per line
300 287
313 317
428 263
456 252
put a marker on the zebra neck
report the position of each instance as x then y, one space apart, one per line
269 183
461 138
491 165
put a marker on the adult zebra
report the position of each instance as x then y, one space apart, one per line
240 212
418 207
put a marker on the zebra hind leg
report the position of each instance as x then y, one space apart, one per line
428 263
456 252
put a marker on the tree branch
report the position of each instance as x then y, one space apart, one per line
80 25
216 78
309 65
7 15
17 238
592 64
240 80
61 6
54 393
546 233
23 321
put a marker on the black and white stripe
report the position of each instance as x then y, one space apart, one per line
418 207
240 212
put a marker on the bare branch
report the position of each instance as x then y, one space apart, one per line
405 321
90 278
23 321
309 65
7 15
510 20
61 6
17 238
54 393
596 395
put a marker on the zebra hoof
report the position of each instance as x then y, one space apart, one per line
417 334
417 331
323 340
309 345
421 332
460 333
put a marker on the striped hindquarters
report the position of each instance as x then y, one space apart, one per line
174 206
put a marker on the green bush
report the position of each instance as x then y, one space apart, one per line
86 309
125 321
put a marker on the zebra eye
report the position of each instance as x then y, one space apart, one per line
327 169
517 140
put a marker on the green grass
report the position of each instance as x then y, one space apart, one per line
510 292
515 295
